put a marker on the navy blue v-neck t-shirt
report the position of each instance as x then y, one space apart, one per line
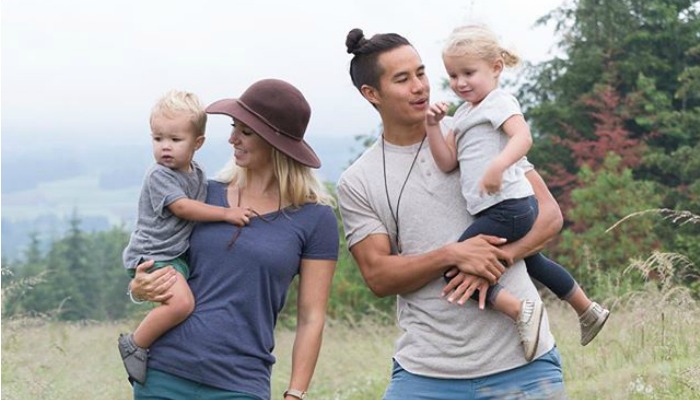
239 291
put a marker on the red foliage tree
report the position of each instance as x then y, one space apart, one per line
609 114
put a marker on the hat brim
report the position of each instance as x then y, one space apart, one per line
297 150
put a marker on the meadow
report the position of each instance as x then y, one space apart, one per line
648 350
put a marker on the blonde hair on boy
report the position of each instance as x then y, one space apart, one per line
475 40
177 102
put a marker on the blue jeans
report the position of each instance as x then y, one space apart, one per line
164 386
540 379
512 219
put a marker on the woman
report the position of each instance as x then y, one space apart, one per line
240 276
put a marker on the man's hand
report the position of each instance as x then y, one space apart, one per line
480 256
461 287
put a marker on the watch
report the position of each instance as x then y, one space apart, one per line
295 393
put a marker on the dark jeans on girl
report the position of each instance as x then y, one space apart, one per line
512 219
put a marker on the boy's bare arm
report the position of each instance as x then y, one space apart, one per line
193 210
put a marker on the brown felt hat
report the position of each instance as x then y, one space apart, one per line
278 113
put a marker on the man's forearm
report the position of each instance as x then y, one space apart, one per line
387 274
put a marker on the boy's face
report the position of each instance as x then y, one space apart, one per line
404 91
174 141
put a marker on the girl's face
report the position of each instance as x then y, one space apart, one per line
249 150
472 78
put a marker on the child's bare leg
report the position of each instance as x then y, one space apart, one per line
507 303
167 315
527 315
591 315
578 300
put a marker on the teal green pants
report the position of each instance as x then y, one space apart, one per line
179 264
163 386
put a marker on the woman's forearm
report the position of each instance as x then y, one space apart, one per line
315 279
307 345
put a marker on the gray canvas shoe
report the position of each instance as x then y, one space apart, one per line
135 358
529 322
592 321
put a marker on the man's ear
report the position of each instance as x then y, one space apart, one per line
371 94
199 142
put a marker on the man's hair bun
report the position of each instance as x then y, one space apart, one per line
355 41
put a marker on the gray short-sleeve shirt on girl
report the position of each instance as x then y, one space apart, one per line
438 339
159 234
480 140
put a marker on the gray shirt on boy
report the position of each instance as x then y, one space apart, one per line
159 234
438 339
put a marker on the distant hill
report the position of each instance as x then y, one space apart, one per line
41 188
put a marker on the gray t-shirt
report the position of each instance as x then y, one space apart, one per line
439 339
480 139
159 234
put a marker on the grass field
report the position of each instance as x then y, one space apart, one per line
650 349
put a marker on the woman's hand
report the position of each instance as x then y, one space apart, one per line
154 286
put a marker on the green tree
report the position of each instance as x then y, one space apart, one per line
607 196
646 52
110 277
81 277
21 278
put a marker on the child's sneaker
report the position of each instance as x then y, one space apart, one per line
529 326
592 321
135 358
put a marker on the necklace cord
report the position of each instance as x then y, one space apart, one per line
237 232
395 217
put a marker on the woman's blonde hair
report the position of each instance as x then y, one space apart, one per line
298 183
479 41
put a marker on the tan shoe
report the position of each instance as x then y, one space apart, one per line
529 322
592 321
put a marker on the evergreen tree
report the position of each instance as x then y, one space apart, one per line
645 52
111 277
607 196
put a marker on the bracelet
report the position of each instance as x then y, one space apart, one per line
133 299
294 393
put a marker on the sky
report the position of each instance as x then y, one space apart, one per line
86 73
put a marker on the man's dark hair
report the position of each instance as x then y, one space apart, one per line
364 69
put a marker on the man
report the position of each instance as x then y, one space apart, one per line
402 217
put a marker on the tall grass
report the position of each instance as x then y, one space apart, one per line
648 350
